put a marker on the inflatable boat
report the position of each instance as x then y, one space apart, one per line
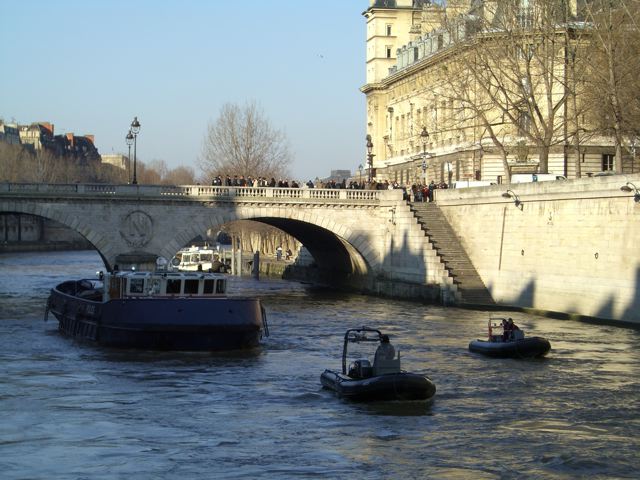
384 380
506 340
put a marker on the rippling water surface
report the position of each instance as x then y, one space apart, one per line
72 410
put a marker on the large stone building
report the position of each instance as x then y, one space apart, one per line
420 129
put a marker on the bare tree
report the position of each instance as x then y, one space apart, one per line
180 176
615 70
148 174
512 75
242 141
12 158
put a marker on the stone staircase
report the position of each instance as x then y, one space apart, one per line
444 240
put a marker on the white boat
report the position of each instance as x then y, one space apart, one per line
202 259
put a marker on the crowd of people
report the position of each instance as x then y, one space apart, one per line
417 192
241 181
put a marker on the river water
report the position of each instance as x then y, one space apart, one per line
76 411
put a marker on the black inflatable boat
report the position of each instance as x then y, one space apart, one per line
384 380
506 340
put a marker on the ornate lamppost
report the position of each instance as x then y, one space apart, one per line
424 135
135 129
129 140
370 156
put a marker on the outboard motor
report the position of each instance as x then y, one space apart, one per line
360 369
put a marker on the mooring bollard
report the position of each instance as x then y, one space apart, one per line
256 265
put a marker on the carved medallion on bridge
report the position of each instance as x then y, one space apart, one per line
137 229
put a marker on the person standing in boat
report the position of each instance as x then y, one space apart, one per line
385 350
508 328
512 328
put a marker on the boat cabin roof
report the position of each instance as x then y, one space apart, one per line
161 283
163 274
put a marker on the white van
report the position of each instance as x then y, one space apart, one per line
535 177
471 183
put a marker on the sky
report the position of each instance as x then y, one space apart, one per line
89 67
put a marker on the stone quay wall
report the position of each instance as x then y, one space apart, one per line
569 246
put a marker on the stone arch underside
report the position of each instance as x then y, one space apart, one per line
336 250
330 251
48 212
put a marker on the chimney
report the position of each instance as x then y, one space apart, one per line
48 126
70 138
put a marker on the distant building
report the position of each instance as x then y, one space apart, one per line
37 136
81 148
338 176
117 160
9 133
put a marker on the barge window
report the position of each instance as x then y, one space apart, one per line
220 286
205 257
208 286
136 285
191 287
173 286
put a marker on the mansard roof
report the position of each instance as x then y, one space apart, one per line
393 3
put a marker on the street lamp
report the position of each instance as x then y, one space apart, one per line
370 155
129 140
135 129
424 135
630 187
511 194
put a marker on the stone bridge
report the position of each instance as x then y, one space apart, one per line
367 239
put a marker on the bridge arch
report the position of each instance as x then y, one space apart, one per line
79 225
335 247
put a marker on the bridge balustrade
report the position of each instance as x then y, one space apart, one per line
200 191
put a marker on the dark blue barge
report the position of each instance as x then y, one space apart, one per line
158 311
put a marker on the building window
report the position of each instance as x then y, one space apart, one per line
388 30
607 162
524 121
525 14
388 48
